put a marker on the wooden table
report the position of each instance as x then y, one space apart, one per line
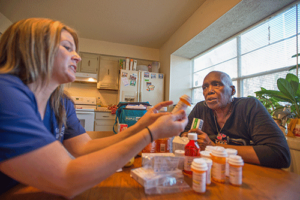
258 183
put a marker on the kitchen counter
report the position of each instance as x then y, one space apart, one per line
258 183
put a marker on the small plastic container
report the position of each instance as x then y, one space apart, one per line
155 67
236 164
230 152
205 154
192 151
184 102
199 168
208 172
163 145
209 148
218 156
180 153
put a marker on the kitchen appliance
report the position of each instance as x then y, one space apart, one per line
86 77
85 111
141 86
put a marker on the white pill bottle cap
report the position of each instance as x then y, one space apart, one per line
192 136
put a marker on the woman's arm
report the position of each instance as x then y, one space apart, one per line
83 144
51 169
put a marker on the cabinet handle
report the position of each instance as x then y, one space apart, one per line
105 116
89 63
108 71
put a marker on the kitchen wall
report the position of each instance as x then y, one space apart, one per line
203 17
4 23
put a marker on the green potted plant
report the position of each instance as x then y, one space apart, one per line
288 92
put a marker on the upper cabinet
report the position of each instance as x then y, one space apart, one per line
89 63
108 78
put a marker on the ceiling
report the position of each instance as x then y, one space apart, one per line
146 23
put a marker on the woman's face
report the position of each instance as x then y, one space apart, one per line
66 59
216 90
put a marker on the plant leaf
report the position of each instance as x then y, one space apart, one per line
296 55
279 96
292 77
285 88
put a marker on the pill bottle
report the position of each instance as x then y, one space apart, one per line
209 148
230 152
163 145
192 150
199 168
180 154
208 172
184 102
150 148
236 164
205 154
218 156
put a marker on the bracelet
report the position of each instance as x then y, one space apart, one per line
150 134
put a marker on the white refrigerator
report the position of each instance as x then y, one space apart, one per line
141 86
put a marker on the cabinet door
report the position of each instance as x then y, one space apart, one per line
89 63
109 73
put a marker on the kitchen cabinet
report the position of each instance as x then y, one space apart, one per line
89 63
108 73
104 121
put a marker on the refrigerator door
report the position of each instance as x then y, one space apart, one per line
128 86
151 87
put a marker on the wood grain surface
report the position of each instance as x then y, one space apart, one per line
258 183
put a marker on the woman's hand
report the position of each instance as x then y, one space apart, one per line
152 114
169 125
203 139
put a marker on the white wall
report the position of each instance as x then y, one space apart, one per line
4 23
181 77
116 49
204 16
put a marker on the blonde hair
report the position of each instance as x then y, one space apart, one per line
27 50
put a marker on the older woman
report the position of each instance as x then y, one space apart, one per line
242 122
38 123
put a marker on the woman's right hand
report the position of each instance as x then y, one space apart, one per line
169 125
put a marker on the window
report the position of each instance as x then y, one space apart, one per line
255 58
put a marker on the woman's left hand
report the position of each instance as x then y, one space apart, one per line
152 114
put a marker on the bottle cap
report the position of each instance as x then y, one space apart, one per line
231 151
199 164
235 160
208 161
205 154
209 148
186 98
192 136
219 152
179 153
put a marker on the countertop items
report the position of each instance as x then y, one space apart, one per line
258 183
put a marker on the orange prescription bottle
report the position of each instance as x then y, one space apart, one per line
235 170
218 156
199 168
192 150
184 102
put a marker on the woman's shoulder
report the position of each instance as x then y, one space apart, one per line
12 85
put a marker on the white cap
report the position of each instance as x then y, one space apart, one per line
179 152
205 154
231 151
219 151
235 160
192 136
187 98
209 148
199 164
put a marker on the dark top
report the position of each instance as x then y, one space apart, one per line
21 128
249 120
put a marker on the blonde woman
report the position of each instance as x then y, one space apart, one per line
38 123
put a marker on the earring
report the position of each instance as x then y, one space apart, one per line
205 103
